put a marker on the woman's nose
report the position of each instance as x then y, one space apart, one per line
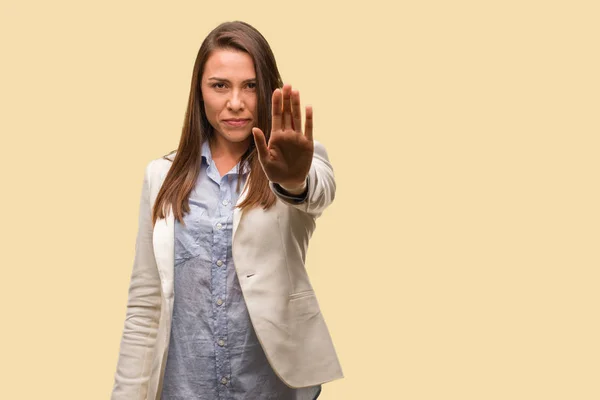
235 102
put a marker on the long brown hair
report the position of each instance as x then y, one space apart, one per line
184 171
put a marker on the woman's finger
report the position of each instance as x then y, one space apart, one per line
287 107
261 144
296 114
308 125
276 101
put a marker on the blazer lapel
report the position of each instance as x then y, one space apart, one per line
163 239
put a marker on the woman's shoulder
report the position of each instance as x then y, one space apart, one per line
165 161
158 167
169 156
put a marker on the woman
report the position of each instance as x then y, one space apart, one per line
220 305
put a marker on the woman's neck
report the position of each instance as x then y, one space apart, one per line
222 149
226 154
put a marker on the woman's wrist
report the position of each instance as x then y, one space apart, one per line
294 189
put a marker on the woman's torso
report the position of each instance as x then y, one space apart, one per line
213 351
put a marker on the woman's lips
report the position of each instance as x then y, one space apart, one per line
233 122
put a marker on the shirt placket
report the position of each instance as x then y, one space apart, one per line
221 232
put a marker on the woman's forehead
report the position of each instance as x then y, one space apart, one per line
230 65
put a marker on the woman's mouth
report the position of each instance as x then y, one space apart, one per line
236 122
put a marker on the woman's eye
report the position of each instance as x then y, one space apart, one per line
221 85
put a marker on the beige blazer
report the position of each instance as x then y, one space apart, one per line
269 250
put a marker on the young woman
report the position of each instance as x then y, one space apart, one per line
220 305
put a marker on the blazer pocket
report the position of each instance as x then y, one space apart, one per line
299 295
303 306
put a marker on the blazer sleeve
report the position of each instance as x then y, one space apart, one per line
295 198
143 310
320 182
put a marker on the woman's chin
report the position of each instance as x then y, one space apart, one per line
237 135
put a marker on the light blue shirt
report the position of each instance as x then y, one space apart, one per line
213 351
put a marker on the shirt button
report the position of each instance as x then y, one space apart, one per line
219 263
224 381
225 202
219 226
219 301
221 342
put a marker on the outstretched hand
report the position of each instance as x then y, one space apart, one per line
287 158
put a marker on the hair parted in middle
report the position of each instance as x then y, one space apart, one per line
185 168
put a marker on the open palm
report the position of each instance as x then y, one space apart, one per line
287 158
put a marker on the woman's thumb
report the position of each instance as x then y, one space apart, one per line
261 143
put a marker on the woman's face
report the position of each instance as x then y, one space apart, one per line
229 93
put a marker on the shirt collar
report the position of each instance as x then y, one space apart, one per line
206 154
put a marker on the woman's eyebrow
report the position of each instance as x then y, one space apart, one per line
214 78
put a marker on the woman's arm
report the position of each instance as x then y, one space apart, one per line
143 310
292 157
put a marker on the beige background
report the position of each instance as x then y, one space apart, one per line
460 257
